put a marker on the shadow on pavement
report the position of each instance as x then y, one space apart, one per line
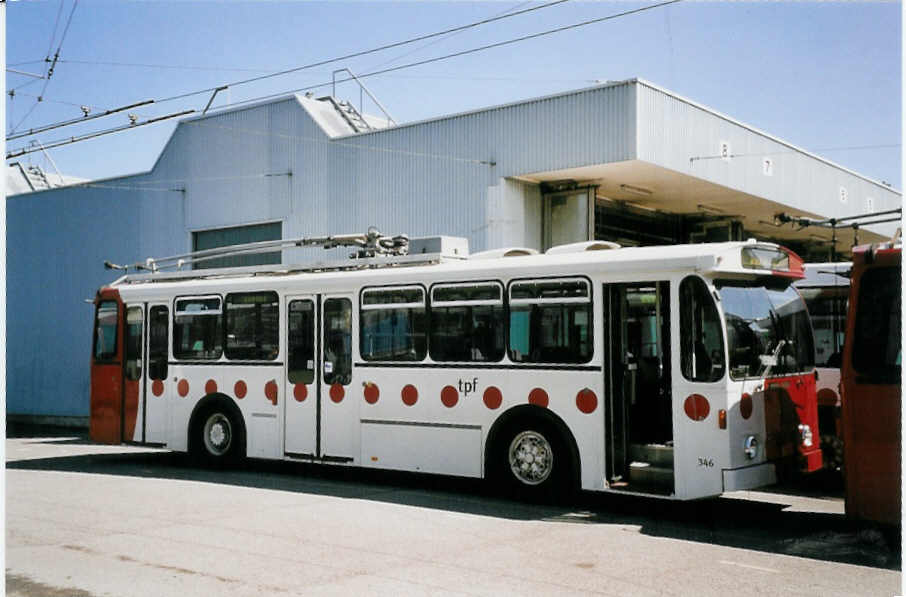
731 522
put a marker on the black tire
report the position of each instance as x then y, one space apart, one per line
217 437
532 462
832 452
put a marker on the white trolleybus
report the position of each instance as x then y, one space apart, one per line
668 371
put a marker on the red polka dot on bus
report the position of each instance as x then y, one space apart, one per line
371 392
538 397
449 396
271 391
697 407
337 393
300 392
240 389
827 397
409 395
745 406
157 387
210 387
586 401
183 388
492 397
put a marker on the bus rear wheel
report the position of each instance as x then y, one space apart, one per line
217 437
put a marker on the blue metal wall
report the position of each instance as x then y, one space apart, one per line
57 243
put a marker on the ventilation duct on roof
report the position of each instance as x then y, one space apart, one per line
581 247
506 252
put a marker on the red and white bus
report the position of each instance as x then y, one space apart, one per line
871 378
680 371
825 290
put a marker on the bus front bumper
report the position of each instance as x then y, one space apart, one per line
749 477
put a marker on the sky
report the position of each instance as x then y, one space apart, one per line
824 76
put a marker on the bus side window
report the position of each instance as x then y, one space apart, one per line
301 341
252 326
158 328
467 322
134 343
550 321
701 340
393 324
197 328
105 331
337 341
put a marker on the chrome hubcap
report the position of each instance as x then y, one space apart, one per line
531 457
218 434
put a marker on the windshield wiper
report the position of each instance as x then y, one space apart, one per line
770 361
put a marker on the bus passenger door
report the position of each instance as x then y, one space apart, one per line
133 373
638 417
302 396
157 354
339 416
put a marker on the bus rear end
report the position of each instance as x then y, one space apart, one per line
871 391
107 407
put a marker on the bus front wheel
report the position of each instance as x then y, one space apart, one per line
532 461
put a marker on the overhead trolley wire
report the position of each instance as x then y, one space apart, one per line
447 56
437 41
24 62
24 150
323 62
420 62
63 37
167 66
366 52
53 36
49 73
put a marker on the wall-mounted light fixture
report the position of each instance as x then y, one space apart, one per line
636 190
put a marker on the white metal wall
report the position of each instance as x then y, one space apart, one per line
672 130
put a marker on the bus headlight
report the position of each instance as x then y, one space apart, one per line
750 447
805 435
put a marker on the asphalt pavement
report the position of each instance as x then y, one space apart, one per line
85 520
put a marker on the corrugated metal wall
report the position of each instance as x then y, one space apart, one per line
273 162
57 243
673 130
427 178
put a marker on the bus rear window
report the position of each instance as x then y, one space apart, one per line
197 328
105 331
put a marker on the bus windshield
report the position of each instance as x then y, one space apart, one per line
768 330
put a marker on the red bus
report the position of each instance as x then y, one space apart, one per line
871 384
